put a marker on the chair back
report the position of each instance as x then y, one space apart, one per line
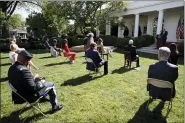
15 91
160 83
127 55
53 51
89 60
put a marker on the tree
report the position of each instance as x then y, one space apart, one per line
84 13
7 8
38 24
16 21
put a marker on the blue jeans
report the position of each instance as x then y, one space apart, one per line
51 92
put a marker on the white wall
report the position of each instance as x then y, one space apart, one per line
147 6
171 19
136 4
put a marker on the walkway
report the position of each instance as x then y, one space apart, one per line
151 49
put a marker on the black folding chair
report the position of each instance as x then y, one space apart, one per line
34 106
161 84
96 69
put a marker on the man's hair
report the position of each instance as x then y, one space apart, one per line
93 45
164 52
131 41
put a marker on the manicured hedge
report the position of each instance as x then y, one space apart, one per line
181 48
139 42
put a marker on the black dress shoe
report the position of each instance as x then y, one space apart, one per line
57 108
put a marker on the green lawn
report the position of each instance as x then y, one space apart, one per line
118 97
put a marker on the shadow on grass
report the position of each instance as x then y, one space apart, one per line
6 64
53 64
4 79
14 116
122 70
155 116
39 51
79 80
46 57
4 57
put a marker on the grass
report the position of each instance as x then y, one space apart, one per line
118 97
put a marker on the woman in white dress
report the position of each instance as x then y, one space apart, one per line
13 54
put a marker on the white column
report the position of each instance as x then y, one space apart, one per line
136 28
160 21
119 31
108 28
149 27
97 31
123 33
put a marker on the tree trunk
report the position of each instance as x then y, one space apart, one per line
5 30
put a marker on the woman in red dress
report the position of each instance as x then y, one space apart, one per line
67 52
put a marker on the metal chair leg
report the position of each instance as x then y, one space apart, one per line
23 108
169 108
147 105
39 110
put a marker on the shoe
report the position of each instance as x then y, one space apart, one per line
72 62
57 108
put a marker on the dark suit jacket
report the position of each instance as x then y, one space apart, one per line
95 56
132 50
166 71
22 80
173 58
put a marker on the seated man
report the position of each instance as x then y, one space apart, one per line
68 52
95 56
54 50
162 70
31 89
132 49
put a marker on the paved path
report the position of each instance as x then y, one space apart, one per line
151 49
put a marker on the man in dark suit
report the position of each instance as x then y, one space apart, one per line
22 80
95 56
162 70
132 49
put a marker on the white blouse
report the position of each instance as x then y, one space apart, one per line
11 56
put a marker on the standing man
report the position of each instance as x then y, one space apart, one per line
163 70
31 89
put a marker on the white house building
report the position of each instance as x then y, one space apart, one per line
151 17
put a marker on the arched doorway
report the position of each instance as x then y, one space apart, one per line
155 26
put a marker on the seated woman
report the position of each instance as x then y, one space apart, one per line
100 46
174 55
16 46
67 52
54 50
12 54
13 58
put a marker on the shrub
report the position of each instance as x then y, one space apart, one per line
109 40
139 42
181 48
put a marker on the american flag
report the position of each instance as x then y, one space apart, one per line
180 28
